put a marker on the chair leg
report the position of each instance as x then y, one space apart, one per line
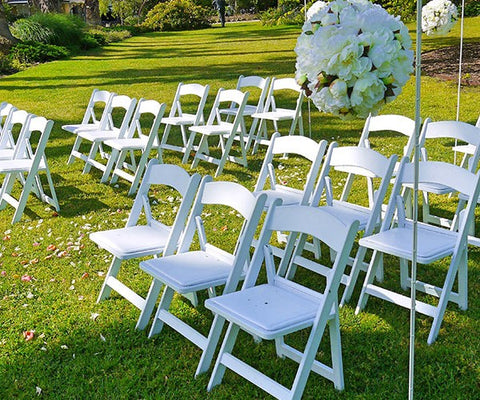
138 173
201 150
374 262
463 281
53 193
76 146
213 338
91 156
22 201
112 271
163 306
6 188
404 274
166 132
227 347
110 163
352 279
443 301
118 166
336 352
150 301
189 147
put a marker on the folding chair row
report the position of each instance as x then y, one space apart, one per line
22 162
186 271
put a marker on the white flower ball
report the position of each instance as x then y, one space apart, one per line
438 17
352 57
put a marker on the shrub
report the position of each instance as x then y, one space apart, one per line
29 30
33 52
90 41
105 36
176 15
6 66
472 8
68 30
288 12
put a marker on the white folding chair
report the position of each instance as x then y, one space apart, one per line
90 120
138 240
226 132
367 163
398 124
29 163
433 243
177 116
107 130
281 306
468 150
189 271
301 146
250 82
5 109
14 123
272 111
134 140
447 129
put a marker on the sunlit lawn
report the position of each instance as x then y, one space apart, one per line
68 357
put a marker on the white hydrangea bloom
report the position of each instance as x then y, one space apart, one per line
438 17
352 57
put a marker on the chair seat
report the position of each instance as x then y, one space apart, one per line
288 195
23 165
125 144
432 243
347 213
94 135
248 110
432 188
189 272
267 310
465 148
278 115
185 119
133 241
220 129
6 154
75 128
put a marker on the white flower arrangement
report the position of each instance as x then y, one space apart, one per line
352 57
438 17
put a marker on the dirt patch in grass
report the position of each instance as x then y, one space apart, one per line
443 63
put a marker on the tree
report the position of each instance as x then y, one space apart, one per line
6 37
92 12
125 8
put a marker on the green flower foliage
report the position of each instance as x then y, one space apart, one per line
176 15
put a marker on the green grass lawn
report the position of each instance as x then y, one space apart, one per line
76 356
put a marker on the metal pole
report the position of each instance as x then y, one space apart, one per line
413 282
460 62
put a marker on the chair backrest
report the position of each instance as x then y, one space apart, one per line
190 89
34 124
297 145
364 162
391 122
436 173
5 109
14 118
98 96
144 107
228 96
236 197
455 130
127 107
478 122
174 177
304 221
254 81
280 85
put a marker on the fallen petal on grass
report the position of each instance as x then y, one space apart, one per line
28 335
